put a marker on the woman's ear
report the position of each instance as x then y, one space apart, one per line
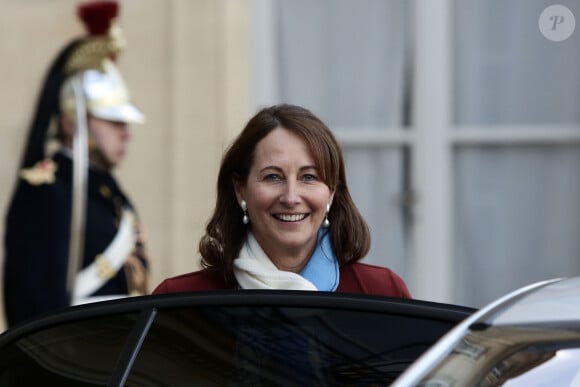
239 188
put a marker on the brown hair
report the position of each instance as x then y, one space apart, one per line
226 233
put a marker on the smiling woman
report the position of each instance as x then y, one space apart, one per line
286 200
284 217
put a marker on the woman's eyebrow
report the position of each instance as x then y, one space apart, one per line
276 168
270 167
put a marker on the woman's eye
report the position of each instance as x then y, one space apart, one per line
309 177
272 177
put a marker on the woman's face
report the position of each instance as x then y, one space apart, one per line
286 199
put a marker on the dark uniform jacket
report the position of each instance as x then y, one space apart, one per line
354 278
38 235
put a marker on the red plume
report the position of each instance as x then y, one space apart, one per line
97 15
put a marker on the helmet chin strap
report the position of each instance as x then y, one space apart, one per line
79 193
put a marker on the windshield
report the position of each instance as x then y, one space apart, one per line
512 357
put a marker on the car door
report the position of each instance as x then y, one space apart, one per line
278 338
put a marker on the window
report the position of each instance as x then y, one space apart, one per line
460 125
269 345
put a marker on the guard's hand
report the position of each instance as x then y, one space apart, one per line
137 277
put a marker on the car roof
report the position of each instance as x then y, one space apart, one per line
557 301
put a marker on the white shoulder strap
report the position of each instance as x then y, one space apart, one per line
107 264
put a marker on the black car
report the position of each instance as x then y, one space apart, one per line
252 337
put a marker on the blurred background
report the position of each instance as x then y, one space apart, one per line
459 120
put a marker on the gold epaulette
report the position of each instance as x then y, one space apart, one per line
42 172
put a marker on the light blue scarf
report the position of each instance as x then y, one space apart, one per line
322 268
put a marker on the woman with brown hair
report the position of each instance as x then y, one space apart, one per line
284 217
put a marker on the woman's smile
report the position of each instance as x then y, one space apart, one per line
290 217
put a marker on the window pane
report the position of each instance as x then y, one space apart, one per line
506 72
343 59
516 218
375 178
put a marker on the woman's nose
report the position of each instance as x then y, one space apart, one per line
290 195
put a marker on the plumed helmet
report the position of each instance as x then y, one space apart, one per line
106 94
92 59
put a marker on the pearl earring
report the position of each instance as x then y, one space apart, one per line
326 221
245 218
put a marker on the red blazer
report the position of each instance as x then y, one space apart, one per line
354 278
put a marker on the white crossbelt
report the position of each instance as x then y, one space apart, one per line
107 264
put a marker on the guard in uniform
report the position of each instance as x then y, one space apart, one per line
72 235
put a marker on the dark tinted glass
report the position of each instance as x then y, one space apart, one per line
80 353
288 346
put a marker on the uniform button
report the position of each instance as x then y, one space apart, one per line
105 191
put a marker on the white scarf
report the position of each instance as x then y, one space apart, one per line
254 270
